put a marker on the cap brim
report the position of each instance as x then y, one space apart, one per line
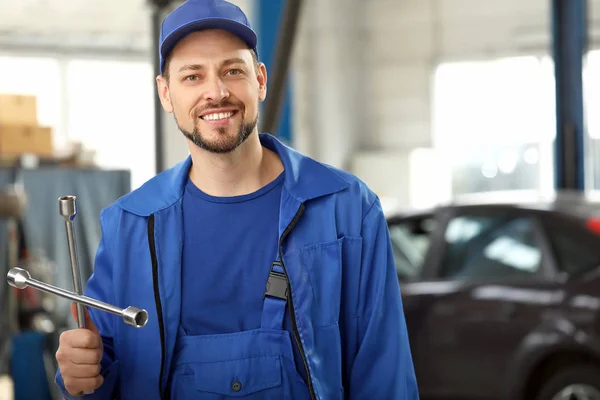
238 29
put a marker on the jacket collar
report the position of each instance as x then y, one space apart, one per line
305 179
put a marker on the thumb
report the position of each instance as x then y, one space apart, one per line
89 324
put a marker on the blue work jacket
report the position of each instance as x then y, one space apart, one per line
334 245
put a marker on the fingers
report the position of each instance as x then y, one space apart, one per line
79 386
80 370
81 339
89 323
79 356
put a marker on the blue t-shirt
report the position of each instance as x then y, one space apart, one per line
229 245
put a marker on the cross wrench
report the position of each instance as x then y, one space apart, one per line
20 278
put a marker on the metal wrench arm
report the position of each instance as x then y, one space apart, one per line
20 279
68 210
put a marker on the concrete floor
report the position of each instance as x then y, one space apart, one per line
6 388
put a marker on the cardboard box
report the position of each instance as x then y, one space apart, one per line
18 109
16 140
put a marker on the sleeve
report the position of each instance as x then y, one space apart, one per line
100 287
382 367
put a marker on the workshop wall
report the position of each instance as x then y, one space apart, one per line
362 72
364 79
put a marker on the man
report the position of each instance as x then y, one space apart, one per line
266 275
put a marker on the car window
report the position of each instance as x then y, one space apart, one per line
577 250
496 247
410 241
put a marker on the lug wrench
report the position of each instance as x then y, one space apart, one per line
20 278
131 315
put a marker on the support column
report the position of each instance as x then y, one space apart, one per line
158 12
569 26
276 29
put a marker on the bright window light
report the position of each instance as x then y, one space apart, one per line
591 79
111 111
500 102
38 77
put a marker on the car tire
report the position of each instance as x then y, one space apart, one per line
569 378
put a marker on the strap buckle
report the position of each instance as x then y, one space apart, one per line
277 285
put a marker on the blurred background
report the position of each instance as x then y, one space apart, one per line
475 121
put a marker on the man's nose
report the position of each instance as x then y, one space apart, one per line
215 90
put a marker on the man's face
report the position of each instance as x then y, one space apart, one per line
214 89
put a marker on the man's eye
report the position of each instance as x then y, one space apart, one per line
234 71
191 78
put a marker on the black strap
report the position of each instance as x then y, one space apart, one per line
277 283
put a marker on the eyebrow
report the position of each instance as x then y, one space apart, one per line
199 67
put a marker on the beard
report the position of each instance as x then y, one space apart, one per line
226 142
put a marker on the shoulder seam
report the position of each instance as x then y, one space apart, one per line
371 207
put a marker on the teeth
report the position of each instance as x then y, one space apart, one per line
217 116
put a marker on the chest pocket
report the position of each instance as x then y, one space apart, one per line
324 265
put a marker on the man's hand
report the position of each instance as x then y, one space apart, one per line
79 354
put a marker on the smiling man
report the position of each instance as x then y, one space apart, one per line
266 274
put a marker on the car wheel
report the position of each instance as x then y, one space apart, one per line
576 383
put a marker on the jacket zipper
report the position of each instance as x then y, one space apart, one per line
291 303
161 323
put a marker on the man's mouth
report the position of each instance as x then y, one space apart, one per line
218 116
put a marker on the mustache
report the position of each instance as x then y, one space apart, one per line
215 106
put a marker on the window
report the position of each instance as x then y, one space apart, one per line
410 242
108 106
495 141
111 111
39 77
497 247
577 251
591 80
475 103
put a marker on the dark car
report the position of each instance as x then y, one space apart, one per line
502 301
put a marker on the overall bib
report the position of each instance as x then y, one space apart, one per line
253 364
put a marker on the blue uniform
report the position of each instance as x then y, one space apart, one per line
229 246
333 283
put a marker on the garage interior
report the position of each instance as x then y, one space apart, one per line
474 121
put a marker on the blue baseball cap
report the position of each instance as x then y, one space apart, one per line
195 15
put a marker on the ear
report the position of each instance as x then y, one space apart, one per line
261 76
164 93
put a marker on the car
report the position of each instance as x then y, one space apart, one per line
502 301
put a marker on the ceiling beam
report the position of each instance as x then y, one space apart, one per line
105 46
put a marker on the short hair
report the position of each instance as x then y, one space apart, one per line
167 75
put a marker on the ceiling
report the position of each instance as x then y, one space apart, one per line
109 26
76 25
